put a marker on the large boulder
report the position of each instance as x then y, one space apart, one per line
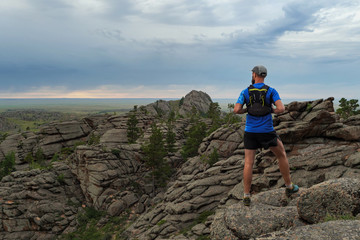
269 211
337 197
328 230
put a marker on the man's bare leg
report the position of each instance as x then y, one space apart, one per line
280 154
248 168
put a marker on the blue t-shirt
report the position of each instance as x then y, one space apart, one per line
263 124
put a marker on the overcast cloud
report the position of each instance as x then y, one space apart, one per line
162 48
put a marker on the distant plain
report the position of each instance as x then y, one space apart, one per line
92 105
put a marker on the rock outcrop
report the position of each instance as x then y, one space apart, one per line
39 204
197 99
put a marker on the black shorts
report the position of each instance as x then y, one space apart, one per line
260 140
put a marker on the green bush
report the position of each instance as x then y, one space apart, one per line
212 158
93 139
61 179
67 151
7 165
40 157
3 136
90 213
29 158
116 152
55 157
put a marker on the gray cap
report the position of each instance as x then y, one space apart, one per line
260 70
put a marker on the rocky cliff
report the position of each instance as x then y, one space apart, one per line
201 201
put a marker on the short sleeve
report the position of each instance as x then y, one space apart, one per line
241 98
275 95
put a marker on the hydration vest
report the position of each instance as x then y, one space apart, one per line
257 105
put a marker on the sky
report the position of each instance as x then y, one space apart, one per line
165 49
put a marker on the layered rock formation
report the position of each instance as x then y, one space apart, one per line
39 204
201 199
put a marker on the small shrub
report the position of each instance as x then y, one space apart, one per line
203 216
181 102
3 136
55 157
7 165
93 139
67 151
40 157
29 158
213 157
61 179
90 213
116 152
308 107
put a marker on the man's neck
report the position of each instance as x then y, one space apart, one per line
259 81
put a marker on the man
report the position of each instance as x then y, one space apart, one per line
259 130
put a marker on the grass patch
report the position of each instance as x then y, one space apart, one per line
24 125
330 217
161 222
89 229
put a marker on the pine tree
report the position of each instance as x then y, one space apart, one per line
133 132
194 139
348 108
214 114
231 107
154 156
170 139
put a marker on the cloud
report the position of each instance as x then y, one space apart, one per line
84 44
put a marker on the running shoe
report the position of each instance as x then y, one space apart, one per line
294 189
247 201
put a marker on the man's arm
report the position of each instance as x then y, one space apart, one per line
280 108
238 109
